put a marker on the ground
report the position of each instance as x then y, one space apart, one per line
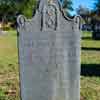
90 67
90 64
9 67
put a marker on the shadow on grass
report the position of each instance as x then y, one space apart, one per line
87 38
90 38
90 69
90 48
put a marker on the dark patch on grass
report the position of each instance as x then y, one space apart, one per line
90 48
90 69
86 38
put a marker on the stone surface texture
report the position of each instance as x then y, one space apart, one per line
49 54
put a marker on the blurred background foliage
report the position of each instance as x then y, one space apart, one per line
10 9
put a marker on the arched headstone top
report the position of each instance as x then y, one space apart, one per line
49 16
42 3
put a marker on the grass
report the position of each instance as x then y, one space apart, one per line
87 41
90 53
9 80
90 60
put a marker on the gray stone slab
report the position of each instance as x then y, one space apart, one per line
49 55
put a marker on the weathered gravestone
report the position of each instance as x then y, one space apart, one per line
49 54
